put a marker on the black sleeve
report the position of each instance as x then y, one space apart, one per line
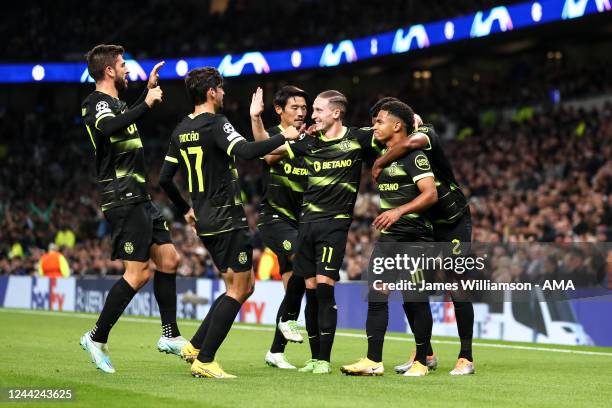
232 142
141 98
432 137
252 150
370 147
417 165
166 182
111 124
299 147
365 137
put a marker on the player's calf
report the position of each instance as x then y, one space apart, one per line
224 315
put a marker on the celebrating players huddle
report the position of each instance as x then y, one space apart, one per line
312 177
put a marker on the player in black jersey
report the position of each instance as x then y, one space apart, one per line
284 182
333 159
407 190
452 223
204 145
138 230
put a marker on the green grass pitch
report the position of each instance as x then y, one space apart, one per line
40 349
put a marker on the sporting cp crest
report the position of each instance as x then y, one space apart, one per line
128 247
242 258
393 169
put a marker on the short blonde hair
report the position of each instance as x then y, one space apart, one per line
337 99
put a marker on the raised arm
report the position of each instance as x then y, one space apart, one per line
256 109
258 128
108 124
151 83
234 144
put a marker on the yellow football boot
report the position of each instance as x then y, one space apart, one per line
417 370
364 367
189 353
208 370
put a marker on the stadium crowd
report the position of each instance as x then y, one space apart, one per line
36 29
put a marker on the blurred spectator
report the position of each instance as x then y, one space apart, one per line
53 264
268 267
65 238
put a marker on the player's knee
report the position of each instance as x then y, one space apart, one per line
285 277
172 262
251 290
228 280
244 291
378 296
311 283
242 288
138 275
240 294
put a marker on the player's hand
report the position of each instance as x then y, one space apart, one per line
417 121
291 133
154 75
311 129
257 103
376 170
191 220
387 219
154 95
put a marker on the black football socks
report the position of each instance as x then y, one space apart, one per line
200 334
311 315
328 319
164 288
464 314
221 322
376 327
117 300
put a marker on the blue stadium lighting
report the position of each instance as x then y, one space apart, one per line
483 26
403 39
406 39
344 52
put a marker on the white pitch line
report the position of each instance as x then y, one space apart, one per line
242 326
